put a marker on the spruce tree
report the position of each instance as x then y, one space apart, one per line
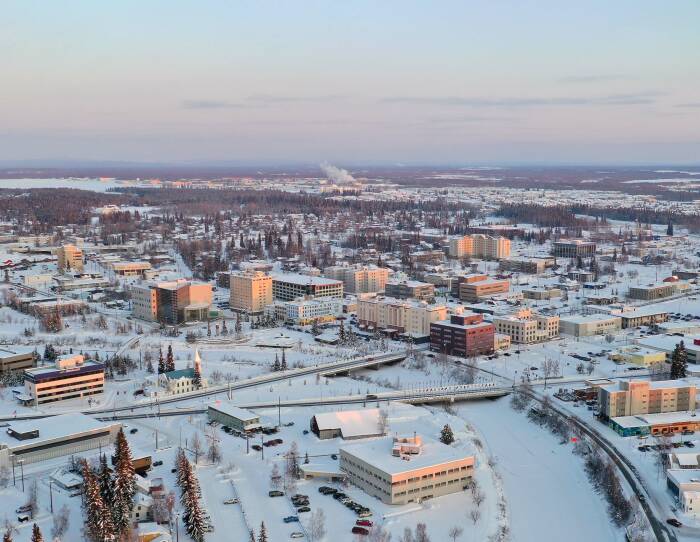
170 360
262 537
124 484
194 517
105 481
98 519
197 380
283 365
446 435
276 366
36 534
161 362
679 361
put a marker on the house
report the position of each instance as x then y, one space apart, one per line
184 380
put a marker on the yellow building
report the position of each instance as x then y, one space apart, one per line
397 315
251 291
526 327
641 356
70 258
479 245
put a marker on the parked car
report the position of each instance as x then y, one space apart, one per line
674 522
303 509
231 501
23 518
157 463
359 530
296 534
256 447
364 523
291 519
134 430
23 509
275 493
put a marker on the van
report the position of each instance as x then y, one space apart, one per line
23 518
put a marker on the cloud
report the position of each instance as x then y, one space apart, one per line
689 104
209 104
595 78
272 99
611 99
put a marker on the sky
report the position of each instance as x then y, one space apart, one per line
430 82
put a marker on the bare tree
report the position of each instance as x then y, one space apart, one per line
378 534
317 525
383 421
550 368
455 532
196 447
275 477
407 535
33 498
475 515
214 452
61 520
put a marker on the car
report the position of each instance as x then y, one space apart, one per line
296 534
365 514
305 431
334 457
291 519
278 441
157 463
23 509
275 493
134 430
303 509
231 501
688 432
690 444
339 495
23 518
173 470
256 447
364 523
299 496
359 530
290 424
674 522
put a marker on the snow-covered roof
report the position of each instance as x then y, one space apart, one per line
51 428
304 280
236 412
352 423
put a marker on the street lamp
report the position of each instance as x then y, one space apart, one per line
177 527
21 466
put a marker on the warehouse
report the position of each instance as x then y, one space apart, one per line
46 438
233 417
348 424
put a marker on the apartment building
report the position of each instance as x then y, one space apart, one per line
402 470
531 266
251 291
70 258
306 310
635 397
388 314
410 289
654 291
464 335
71 377
586 326
290 286
573 248
480 246
172 302
527 327
359 279
473 292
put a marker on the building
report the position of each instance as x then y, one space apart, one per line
665 423
348 424
55 436
233 417
573 249
655 291
290 286
531 266
172 302
685 487
639 355
541 294
130 269
71 377
526 327
402 470
473 292
480 246
16 360
464 335
307 310
144 301
410 289
634 397
592 324
469 278
184 380
70 258
359 279
580 275
398 316
251 291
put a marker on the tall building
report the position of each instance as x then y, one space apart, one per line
480 246
399 316
526 327
410 289
172 302
359 279
464 335
635 397
306 310
251 291
290 286
473 292
70 258
71 377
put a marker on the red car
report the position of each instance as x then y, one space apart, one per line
359 530
364 523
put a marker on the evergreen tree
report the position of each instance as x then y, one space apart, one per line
283 365
98 519
161 362
194 517
36 534
276 366
105 480
197 381
262 537
341 332
124 487
170 360
669 229
446 435
238 326
679 361
224 329
252 536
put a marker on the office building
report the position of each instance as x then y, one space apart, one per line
480 246
573 249
527 327
476 291
16 359
251 291
410 289
463 335
656 291
130 269
634 397
531 266
398 316
306 310
172 302
290 286
359 279
348 424
71 377
70 258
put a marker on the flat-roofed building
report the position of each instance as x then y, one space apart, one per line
402 470
306 310
573 249
16 359
348 424
639 355
401 316
144 301
235 418
463 335
183 301
71 377
479 245
634 397
130 269
592 324
251 291
410 289
654 291
473 292
359 279
527 327
531 266
290 286
540 294
70 258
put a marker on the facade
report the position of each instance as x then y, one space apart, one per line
541 294
130 269
347 424
184 380
56 436
144 302
70 258
290 286
72 377
465 335
586 326
479 245
526 327
410 289
573 249
172 302
307 310
669 423
359 279
531 266
251 291
640 356
654 291
473 292
402 470
233 417
634 397
14 361
395 315
685 486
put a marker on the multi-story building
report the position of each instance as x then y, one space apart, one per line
408 317
464 335
290 286
359 279
480 246
573 248
16 359
144 302
402 470
306 310
655 291
635 397
410 289
172 302
130 269
531 266
251 291
540 294
592 324
474 292
70 258
526 327
71 377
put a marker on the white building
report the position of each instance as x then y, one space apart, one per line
359 279
306 310
402 316
184 380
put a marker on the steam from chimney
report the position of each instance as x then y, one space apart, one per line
337 175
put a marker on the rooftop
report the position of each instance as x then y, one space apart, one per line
305 280
236 412
352 423
53 427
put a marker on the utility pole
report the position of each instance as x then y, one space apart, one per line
51 493
21 466
279 412
262 451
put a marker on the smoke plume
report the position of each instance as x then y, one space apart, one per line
337 175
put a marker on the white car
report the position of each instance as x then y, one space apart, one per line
297 535
231 501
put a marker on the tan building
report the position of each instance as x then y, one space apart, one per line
475 291
251 291
526 327
359 279
541 294
70 258
402 470
651 292
70 378
396 315
532 266
634 397
480 246
14 360
290 286
172 302
144 302
130 269
410 289
586 326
